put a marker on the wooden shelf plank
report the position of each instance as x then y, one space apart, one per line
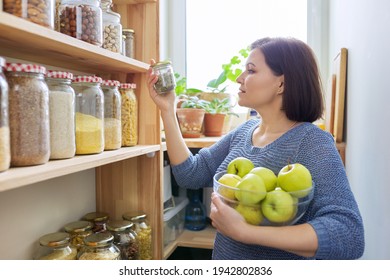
132 2
25 40
22 176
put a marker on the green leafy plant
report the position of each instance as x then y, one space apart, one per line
181 86
230 72
218 106
191 102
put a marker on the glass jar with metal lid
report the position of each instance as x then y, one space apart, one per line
61 111
81 19
5 149
112 28
55 246
28 114
129 115
112 115
143 231
98 219
78 231
166 78
37 11
129 42
124 238
89 114
99 246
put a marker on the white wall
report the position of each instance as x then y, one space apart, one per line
362 26
28 213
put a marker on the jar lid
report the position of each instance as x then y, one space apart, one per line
78 226
128 30
59 74
96 217
128 85
2 62
111 83
87 79
119 225
22 67
161 64
56 239
134 216
99 239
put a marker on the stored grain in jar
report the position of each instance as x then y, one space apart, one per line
129 115
55 246
28 114
98 219
124 238
5 148
78 231
62 114
112 115
99 246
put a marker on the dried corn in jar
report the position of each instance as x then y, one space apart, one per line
5 148
129 115
78 231
99 246
55 246
112 115
89 115
143 231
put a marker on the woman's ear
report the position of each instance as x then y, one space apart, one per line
281 87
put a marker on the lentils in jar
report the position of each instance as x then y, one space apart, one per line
99 221
28 114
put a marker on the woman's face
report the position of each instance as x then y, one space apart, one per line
259 87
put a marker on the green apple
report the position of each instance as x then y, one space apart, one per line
228 180
268 176
278 206
240 166
295 178
252 215
251 189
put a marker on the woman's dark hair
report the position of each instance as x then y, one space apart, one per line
302 96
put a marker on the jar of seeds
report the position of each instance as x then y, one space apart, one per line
28 114
37 11
62 106
5 149
143 231
129 109
112 115
99 246
55 246
98 219
112 28
166 77
78 231
129 42
89 115
81 19
124 238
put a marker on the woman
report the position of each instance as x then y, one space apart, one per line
281 82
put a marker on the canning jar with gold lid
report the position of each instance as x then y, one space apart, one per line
78 231
28 114
143 231
99 246
112 115
98 219
55 246
5 149
124 238
129 112
89 114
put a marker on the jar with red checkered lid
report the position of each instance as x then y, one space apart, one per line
28 114
89 114
112 115
62 111
129 115
5 149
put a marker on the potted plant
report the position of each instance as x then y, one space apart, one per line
190 116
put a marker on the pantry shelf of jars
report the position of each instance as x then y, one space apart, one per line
127 177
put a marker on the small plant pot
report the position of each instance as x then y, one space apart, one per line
190 122
213 124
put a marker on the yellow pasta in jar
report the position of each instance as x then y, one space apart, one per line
129 116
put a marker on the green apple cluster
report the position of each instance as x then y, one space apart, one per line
260 193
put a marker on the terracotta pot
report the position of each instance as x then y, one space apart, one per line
213 124
190 121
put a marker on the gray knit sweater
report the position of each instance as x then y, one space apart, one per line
333 213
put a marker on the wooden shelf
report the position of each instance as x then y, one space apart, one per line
203 239
132 2
22 176
22 39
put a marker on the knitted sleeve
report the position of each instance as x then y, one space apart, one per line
334 213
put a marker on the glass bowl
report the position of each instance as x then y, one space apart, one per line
275 208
